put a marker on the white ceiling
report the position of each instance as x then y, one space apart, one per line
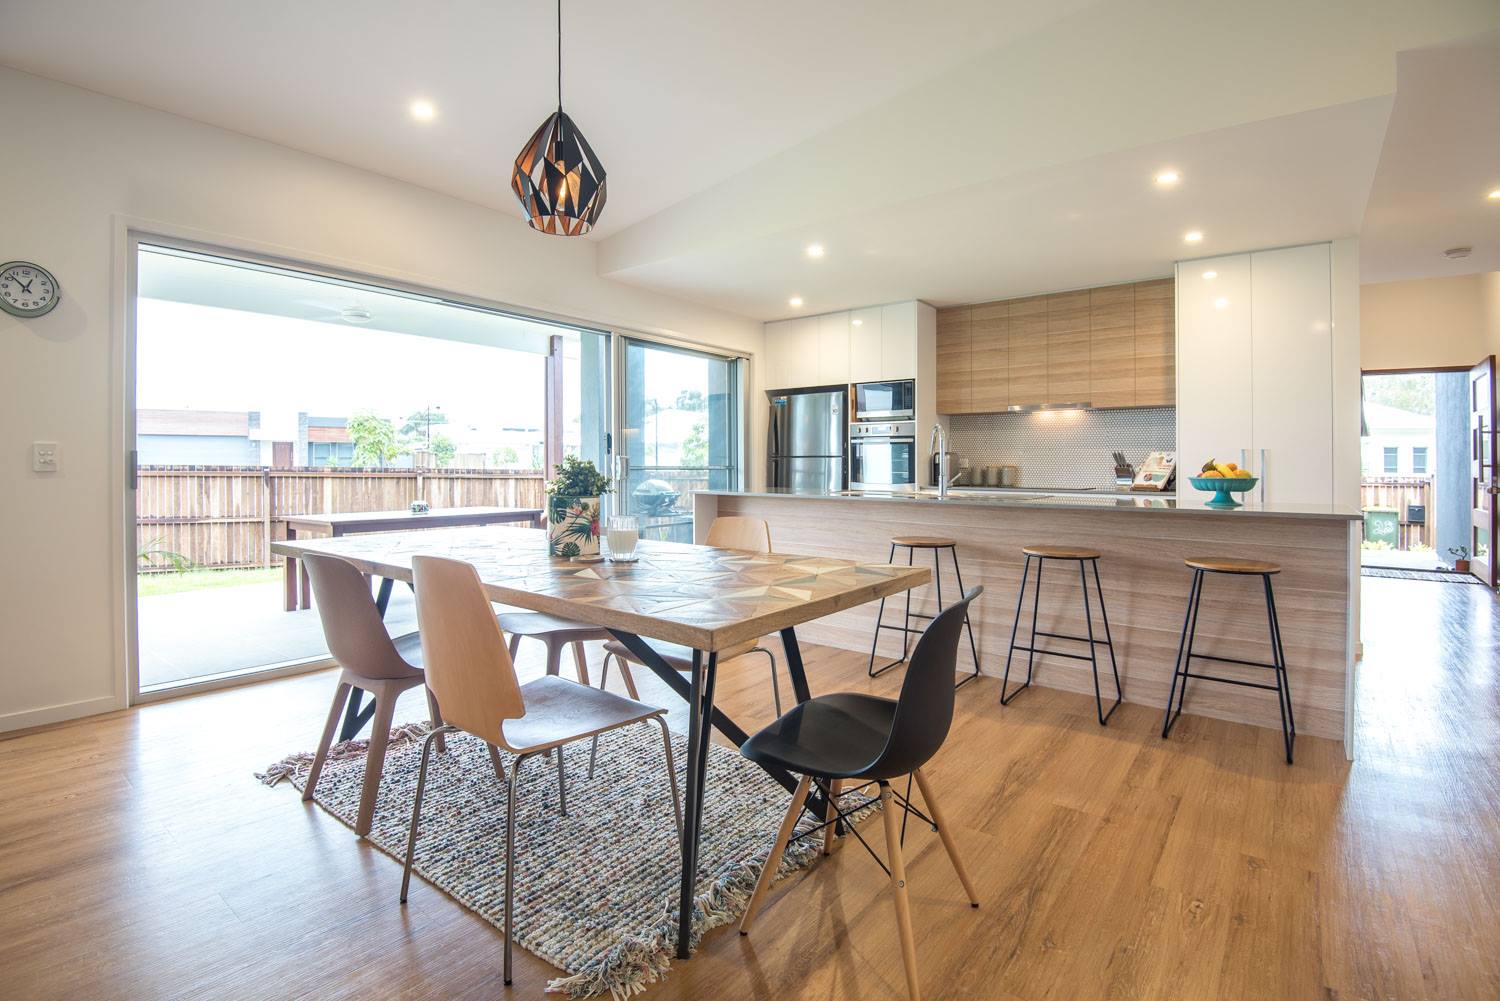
952 151
674 95
1441 159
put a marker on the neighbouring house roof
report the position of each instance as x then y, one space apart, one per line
218 423
1380 418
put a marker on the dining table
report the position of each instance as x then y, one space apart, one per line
704 598
340 523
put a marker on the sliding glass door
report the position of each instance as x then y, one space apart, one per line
679 432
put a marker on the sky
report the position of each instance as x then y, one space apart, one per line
198 357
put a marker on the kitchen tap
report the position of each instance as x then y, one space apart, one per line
940 439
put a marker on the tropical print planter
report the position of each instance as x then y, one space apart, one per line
573 526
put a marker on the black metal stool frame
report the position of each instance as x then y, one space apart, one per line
1182 668
1032 649
905 628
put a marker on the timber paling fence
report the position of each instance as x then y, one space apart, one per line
227 516
1400 494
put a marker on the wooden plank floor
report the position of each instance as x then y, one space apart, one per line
139 858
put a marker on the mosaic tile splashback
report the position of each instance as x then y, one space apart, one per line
1063 448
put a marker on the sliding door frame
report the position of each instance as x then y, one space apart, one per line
129 235
619 420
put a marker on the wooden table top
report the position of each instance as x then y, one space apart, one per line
707 599
442 516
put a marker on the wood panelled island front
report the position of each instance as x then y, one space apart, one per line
1143 542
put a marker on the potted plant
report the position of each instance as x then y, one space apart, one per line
573 508
1460 556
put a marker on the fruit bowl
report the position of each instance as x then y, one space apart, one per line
1222 486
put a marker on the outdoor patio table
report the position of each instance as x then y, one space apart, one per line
700 597
356 523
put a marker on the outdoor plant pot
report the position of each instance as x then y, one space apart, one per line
1462 566
572 526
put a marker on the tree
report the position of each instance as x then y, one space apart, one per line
1414 392
421 422
695 446
443 450
375 440
690 399
506 457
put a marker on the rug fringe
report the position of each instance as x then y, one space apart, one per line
635 963
295 766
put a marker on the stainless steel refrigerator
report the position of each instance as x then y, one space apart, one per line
808 441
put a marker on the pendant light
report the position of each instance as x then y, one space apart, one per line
557 177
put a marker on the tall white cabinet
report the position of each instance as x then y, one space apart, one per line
1255 370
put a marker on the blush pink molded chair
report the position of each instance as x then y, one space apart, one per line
370 660
470 670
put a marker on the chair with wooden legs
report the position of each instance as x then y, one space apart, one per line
370 660
469 669
851 738
751 535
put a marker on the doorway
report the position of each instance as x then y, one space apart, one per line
263 391
1427 472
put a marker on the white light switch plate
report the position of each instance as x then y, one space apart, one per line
45 456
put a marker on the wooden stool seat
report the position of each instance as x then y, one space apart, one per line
1228 564
1061 552
922 542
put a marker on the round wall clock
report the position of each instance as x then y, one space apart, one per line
27 289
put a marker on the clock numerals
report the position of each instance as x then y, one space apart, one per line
26 290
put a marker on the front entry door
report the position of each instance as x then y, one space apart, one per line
1484 480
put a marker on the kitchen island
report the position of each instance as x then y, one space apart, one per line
1143 540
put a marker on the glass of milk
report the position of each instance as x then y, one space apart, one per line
622 535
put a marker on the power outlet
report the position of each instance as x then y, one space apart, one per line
45 456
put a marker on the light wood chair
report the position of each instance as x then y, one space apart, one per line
470 671
556 634
751 535
370 660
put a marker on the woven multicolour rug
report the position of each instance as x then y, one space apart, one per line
596 891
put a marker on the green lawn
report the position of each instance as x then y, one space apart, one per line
172 582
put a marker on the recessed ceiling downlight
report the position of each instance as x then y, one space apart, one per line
355 314
815 250
423 111
1167 178
795 301
1193 236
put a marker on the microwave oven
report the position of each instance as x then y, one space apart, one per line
885 401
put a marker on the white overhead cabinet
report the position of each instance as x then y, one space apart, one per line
860 345
1255 375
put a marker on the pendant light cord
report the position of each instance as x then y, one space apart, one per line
559 55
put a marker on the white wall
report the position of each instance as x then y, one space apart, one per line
87 166
1429 322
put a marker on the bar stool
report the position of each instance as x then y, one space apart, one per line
911 543
1084 558
1202 565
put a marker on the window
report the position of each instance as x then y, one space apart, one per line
1419 460
1390 460
330 453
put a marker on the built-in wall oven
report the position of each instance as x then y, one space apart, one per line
885 401
883 455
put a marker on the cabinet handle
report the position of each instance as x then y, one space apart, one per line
1262 476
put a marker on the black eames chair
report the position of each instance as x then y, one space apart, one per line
858 739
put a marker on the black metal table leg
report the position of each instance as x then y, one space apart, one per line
703 718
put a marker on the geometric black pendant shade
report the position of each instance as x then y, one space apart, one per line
558 179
